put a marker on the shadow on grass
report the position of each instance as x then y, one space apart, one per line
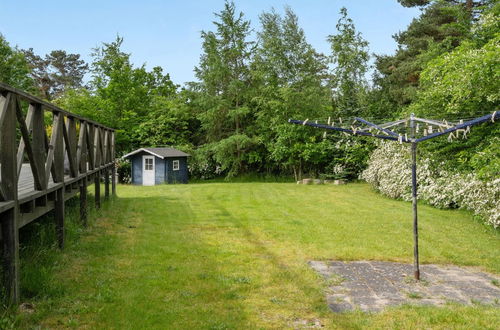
109 296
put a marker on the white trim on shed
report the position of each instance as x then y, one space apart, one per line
140 150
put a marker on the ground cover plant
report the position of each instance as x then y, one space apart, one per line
234 255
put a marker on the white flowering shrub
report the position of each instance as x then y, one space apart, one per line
389 171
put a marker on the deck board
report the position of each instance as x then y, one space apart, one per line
27 192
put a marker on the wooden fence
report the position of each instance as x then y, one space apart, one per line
41 166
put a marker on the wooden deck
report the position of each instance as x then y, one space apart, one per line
31 200
42 165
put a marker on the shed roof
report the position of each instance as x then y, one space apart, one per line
160 152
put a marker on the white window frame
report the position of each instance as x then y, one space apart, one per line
149 167
176 165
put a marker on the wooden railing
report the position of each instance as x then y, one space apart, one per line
60 159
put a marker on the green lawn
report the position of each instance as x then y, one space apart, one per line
234 255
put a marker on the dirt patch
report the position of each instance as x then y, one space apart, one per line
373 285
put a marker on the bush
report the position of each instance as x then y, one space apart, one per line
124 171
389 171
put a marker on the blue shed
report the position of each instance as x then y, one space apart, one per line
151 166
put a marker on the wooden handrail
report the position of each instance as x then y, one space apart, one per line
33 99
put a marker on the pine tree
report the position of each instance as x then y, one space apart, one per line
441 27
224 78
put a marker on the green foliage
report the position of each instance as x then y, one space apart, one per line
14 69
349 57
233 120
167 123
442 26
288 78
221 98
465 83
447 67
57 73
461 82
124 170
134 101
351 155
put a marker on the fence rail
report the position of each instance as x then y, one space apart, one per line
47 155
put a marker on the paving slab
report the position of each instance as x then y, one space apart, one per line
373 285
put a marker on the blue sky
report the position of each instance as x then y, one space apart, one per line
167 33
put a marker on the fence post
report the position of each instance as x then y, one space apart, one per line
83 201
113 168
59 177
106 183
97 187
38 137
8 184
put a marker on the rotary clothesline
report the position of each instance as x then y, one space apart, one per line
398 131
382 131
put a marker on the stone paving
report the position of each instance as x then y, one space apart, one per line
373 285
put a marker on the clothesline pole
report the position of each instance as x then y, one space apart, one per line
416 266
391 135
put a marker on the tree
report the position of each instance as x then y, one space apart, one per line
441 27
168 122
68 71
288 77
122 96
349 57
223 75
57 72
472 7
14 69
465 83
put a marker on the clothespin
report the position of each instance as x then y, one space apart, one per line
333 123
400 139
429 129
466 131
406 137
417 128
340 120
305 121
425 132
493 117
328 120
324 135
316 122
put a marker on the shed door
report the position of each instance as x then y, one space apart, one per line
148 170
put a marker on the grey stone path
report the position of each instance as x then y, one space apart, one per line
373 285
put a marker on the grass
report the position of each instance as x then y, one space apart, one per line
234 256
415 295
